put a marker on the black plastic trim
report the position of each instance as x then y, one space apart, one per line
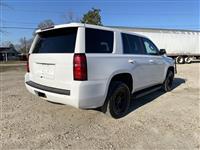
48 89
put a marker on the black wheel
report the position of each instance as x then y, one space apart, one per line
168 83
180 60
118 100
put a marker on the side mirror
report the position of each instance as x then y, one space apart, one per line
162 51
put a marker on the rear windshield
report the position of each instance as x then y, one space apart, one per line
56 41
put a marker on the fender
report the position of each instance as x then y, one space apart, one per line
114 74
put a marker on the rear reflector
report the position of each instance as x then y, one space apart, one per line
80 67
27 63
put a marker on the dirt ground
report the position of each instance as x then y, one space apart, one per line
157 121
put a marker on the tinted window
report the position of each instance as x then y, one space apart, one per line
151 49
99 41
56 41
132 44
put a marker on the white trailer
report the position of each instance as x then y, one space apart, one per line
182 45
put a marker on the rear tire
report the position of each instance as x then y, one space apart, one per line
168 83
180 60
118 100
188 60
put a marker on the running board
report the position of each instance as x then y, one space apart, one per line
146 91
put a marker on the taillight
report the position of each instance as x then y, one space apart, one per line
80 67
27 63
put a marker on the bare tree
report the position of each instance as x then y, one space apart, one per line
46 23
24 45
6 43
70 16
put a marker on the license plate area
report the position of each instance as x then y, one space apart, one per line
45 71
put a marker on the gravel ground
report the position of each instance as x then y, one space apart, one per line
157 121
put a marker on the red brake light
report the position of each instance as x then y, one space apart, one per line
80 67
27 63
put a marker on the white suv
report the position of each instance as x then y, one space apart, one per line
88 66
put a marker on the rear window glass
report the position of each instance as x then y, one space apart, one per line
56 41
99 41
132 44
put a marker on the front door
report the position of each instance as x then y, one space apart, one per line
155 61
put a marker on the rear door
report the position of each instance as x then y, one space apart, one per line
51 59
134 51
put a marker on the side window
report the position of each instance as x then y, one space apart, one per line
151 49
99 41
132 44
126 47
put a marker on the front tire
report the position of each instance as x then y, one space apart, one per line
118 100
168 83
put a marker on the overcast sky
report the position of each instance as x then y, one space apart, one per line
176 14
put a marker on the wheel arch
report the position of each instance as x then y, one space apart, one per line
123 77
170 68
119 76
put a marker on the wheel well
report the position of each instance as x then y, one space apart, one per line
125 78
171 69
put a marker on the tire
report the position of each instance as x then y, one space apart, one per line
118 100
188 60
168 83
180 60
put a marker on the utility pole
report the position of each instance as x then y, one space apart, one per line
25 45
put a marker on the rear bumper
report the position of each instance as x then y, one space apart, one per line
81 95
48 89
52 96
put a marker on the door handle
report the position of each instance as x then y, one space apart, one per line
151 61
131 61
